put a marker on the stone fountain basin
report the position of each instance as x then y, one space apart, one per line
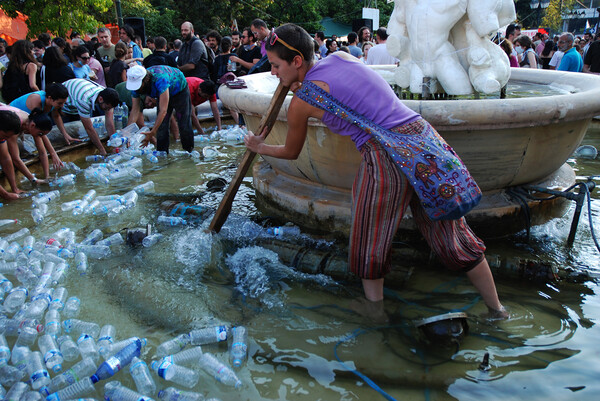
503 142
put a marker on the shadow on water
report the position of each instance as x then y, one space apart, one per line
306 341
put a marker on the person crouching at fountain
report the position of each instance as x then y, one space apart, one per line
37 124
381 191
10 125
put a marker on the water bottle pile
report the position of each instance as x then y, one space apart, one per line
229 133
60 368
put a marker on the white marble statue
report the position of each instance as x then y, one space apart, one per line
448 42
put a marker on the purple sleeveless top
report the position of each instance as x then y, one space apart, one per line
363 90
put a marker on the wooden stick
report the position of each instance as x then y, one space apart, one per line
266 122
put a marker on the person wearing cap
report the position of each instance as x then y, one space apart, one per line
169 86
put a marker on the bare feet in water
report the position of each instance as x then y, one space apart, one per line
374 311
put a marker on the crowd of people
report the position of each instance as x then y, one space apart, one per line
70 80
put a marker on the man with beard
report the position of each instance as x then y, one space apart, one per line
193 59
248 54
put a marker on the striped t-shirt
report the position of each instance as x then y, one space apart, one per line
82 97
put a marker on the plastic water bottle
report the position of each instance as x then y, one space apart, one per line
208 335
118 117
239 346
106 337
15 299
87 347
124 114
81 262
187 356
64 181
171 221
52 356
151 240
231 65
116 362
93 237
37 215
20 358
83 368
68 348
114 391
52 326
81 327
173 394
32 396
201 138
43 197
195 154
9 375
219 371
117 142
151 158
7 222
115 239
16 391
67 206
93 251
74 391
94 158
284 231
37 371
71 308
173 345
142 378
4 351
59 296
175 373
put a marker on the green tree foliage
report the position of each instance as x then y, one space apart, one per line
58 16
555 12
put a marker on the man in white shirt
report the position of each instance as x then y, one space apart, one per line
378 54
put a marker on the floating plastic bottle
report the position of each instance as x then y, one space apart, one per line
173 345
93 251
93 237
81 369
43 197
151 158
37 371
201 138
64 181
59 297
115 239
15 299
16 391
52 356
114 391
171 221
77 326
94 158
175 373
32 396
74 391
141 376
52 326
81 263
219 371
7 222
68 348
151 240
173 394
284 231
117 142
71 308
118 361
112 349
106 336
87 347
37 216
186 357
4 351
9 375
208 335
239 346
67 206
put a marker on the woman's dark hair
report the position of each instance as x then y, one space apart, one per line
548 47
226 44
64 47
129 31
20 55
41 120
57 91
53 58
10 121
328 43
524 41
294 36
120 50
80 50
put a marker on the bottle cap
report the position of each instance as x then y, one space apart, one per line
57 368
94 379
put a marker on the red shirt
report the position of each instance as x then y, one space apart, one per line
194 85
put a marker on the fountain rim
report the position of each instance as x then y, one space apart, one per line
459 114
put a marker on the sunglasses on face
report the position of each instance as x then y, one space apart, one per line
84 58
274 39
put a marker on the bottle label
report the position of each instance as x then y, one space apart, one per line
39 375
114 364
50 354
109 339
164 366
221 332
